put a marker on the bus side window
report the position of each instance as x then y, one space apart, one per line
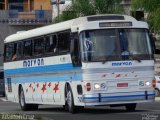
63 42
39 46
51 44
14 55
8 52
27 48
19 50
153 41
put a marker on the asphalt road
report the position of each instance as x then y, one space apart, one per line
149 111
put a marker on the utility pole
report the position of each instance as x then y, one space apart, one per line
57 3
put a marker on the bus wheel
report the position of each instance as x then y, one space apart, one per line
23 104
69 100
130 107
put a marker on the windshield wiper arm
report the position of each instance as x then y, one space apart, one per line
130 56
136 58
104 61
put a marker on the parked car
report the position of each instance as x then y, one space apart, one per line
2 85
157 88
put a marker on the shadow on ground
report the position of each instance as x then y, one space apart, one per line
104 110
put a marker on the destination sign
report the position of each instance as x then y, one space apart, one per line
115 24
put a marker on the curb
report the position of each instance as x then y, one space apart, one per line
46 118
157 99
3 99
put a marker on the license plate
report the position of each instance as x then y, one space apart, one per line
119 85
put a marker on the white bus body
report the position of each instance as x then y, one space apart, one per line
91 77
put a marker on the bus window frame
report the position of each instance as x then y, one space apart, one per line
68 50
8 60
51 53
45 54
24 56
33 46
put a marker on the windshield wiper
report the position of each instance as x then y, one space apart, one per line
128 55
105 60
137 59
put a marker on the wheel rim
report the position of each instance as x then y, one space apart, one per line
69 99
22 99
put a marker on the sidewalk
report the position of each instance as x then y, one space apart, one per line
3 99
157 99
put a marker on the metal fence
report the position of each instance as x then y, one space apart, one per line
14 17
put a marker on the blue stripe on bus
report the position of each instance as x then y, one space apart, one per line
52 78
39 69
113 97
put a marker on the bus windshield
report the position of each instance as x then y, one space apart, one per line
115 44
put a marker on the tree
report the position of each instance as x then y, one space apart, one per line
81 8
152 8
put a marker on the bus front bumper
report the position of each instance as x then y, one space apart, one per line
117 98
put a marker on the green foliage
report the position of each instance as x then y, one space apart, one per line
90 7
152 7
107 6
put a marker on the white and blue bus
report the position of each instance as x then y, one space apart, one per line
88 61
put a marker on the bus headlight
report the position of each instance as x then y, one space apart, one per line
99 86
147 83
144 84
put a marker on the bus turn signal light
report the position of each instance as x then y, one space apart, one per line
88 86
153 83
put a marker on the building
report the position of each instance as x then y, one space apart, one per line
22 15
62 7
25 5
127 6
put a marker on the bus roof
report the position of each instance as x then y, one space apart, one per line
62 26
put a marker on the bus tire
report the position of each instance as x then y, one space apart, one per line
22 102
65 107
131 107
69 100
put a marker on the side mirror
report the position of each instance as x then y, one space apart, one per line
152 41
